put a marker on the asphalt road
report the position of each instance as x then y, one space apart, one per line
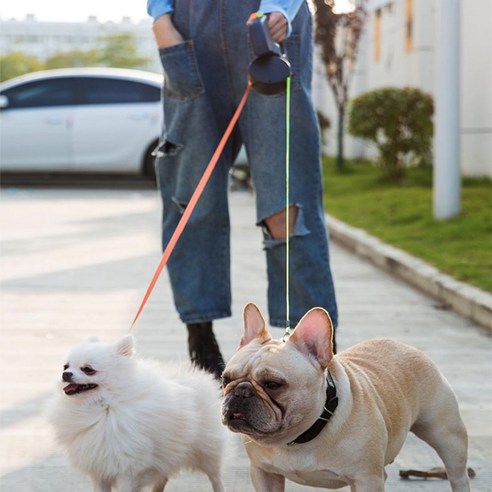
76 262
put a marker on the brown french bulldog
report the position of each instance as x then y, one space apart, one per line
329 420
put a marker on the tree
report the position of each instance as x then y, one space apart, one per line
15 63
338 36
120 51
73 58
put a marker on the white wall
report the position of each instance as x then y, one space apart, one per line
396 67
476 84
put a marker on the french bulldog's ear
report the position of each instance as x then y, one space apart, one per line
313 336
125 346
254 326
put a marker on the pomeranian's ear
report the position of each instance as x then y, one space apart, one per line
125 346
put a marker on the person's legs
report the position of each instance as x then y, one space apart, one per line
205 79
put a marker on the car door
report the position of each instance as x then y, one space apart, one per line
36 125
114 123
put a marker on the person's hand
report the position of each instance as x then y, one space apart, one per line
166 35
278 26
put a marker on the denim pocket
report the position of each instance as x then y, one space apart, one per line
182 78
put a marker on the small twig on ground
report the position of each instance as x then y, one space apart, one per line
438 473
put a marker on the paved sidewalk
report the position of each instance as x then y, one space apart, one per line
76 263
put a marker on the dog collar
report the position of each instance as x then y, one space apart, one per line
328 410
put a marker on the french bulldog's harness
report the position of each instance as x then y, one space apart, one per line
328 410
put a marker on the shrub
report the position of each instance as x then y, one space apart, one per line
399 122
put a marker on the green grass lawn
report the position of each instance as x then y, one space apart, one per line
401 215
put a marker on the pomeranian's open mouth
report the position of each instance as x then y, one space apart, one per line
73 388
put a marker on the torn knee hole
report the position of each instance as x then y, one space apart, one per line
275 224
166 148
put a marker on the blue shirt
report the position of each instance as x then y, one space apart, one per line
289 8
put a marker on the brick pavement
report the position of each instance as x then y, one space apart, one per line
75 263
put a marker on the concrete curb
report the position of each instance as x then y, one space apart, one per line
470 302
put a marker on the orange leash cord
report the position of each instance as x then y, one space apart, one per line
193 201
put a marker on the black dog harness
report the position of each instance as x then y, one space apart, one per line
328 410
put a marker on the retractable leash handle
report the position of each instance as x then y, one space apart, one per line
270 69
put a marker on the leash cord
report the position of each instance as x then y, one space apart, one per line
191 204
287 204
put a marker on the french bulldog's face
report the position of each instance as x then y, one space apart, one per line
272 388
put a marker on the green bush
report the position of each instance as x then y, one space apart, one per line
399 122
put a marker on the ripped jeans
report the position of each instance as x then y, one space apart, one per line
205 78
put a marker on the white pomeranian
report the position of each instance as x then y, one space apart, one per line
124 422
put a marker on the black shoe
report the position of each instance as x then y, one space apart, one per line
203 348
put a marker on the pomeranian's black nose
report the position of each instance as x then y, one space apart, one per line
67 376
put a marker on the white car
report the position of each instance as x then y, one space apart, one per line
80 120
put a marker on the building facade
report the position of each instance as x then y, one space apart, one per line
398 48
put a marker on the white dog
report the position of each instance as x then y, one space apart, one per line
127 425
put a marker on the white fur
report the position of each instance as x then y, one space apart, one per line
141 425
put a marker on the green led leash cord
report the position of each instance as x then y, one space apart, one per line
287 205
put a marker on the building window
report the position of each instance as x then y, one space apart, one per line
377 35
408 26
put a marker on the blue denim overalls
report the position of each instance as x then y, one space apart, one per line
205 78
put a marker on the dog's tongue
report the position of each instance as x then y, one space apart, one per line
69 388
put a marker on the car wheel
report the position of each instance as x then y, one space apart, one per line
148 167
